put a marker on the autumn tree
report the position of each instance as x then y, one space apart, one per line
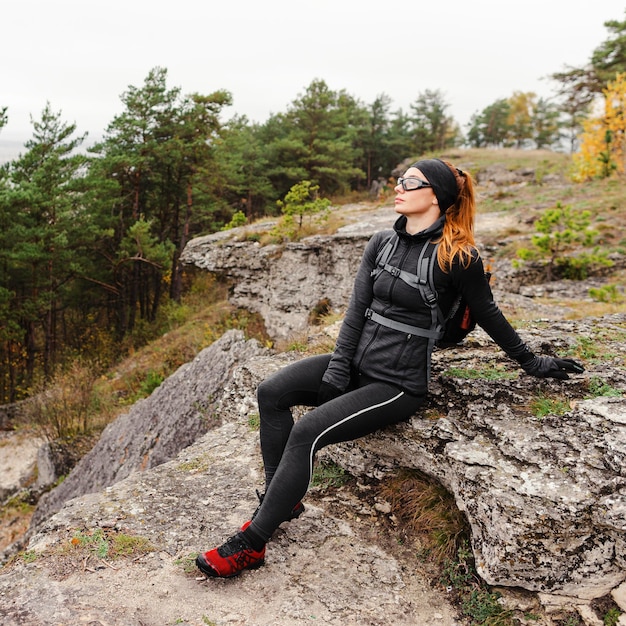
602 144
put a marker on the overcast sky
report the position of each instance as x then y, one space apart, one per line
80 56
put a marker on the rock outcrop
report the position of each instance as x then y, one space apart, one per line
319 569
284 283
179 411
545 498
17 467
544 493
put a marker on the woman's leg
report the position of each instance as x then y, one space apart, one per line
352 415
295 384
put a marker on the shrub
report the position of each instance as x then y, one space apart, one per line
238 219
606 293
302 201
65 407
560 231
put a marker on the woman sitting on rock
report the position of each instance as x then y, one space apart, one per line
378 373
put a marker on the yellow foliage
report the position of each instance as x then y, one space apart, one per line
521 108
602 146
615 95
587 165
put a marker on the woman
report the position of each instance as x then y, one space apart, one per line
378 374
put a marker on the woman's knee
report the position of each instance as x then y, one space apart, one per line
305 431
270 391
265 392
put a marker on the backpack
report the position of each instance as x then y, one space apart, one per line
445 331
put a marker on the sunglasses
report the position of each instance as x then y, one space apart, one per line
411 184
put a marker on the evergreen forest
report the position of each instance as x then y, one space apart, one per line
90 238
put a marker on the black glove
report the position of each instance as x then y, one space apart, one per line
327 392
551 367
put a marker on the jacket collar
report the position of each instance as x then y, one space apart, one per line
433 231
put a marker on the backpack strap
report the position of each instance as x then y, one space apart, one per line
426 286
404 328
382 264
423 281
384 254
426 281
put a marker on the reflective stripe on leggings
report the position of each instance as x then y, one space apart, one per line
343 421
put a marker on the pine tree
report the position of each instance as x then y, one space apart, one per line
45 237
317 140
154 160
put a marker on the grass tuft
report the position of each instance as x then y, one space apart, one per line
426 510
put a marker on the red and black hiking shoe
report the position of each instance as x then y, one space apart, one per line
231 558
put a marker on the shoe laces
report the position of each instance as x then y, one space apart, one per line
237 543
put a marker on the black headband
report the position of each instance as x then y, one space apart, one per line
442 179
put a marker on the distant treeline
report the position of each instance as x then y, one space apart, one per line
90 241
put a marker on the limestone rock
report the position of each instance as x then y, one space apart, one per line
619 595
282 283
321 568
18 461
545 497
155 429
285 283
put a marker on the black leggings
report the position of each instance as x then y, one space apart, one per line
289 448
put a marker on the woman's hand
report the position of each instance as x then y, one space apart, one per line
327 392
552 367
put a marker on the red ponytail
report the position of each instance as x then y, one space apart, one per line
458 231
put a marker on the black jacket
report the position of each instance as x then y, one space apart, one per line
382 353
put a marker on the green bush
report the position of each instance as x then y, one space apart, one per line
302 201
606 293
239 219
477 600
560 231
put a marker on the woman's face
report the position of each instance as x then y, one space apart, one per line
418 202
